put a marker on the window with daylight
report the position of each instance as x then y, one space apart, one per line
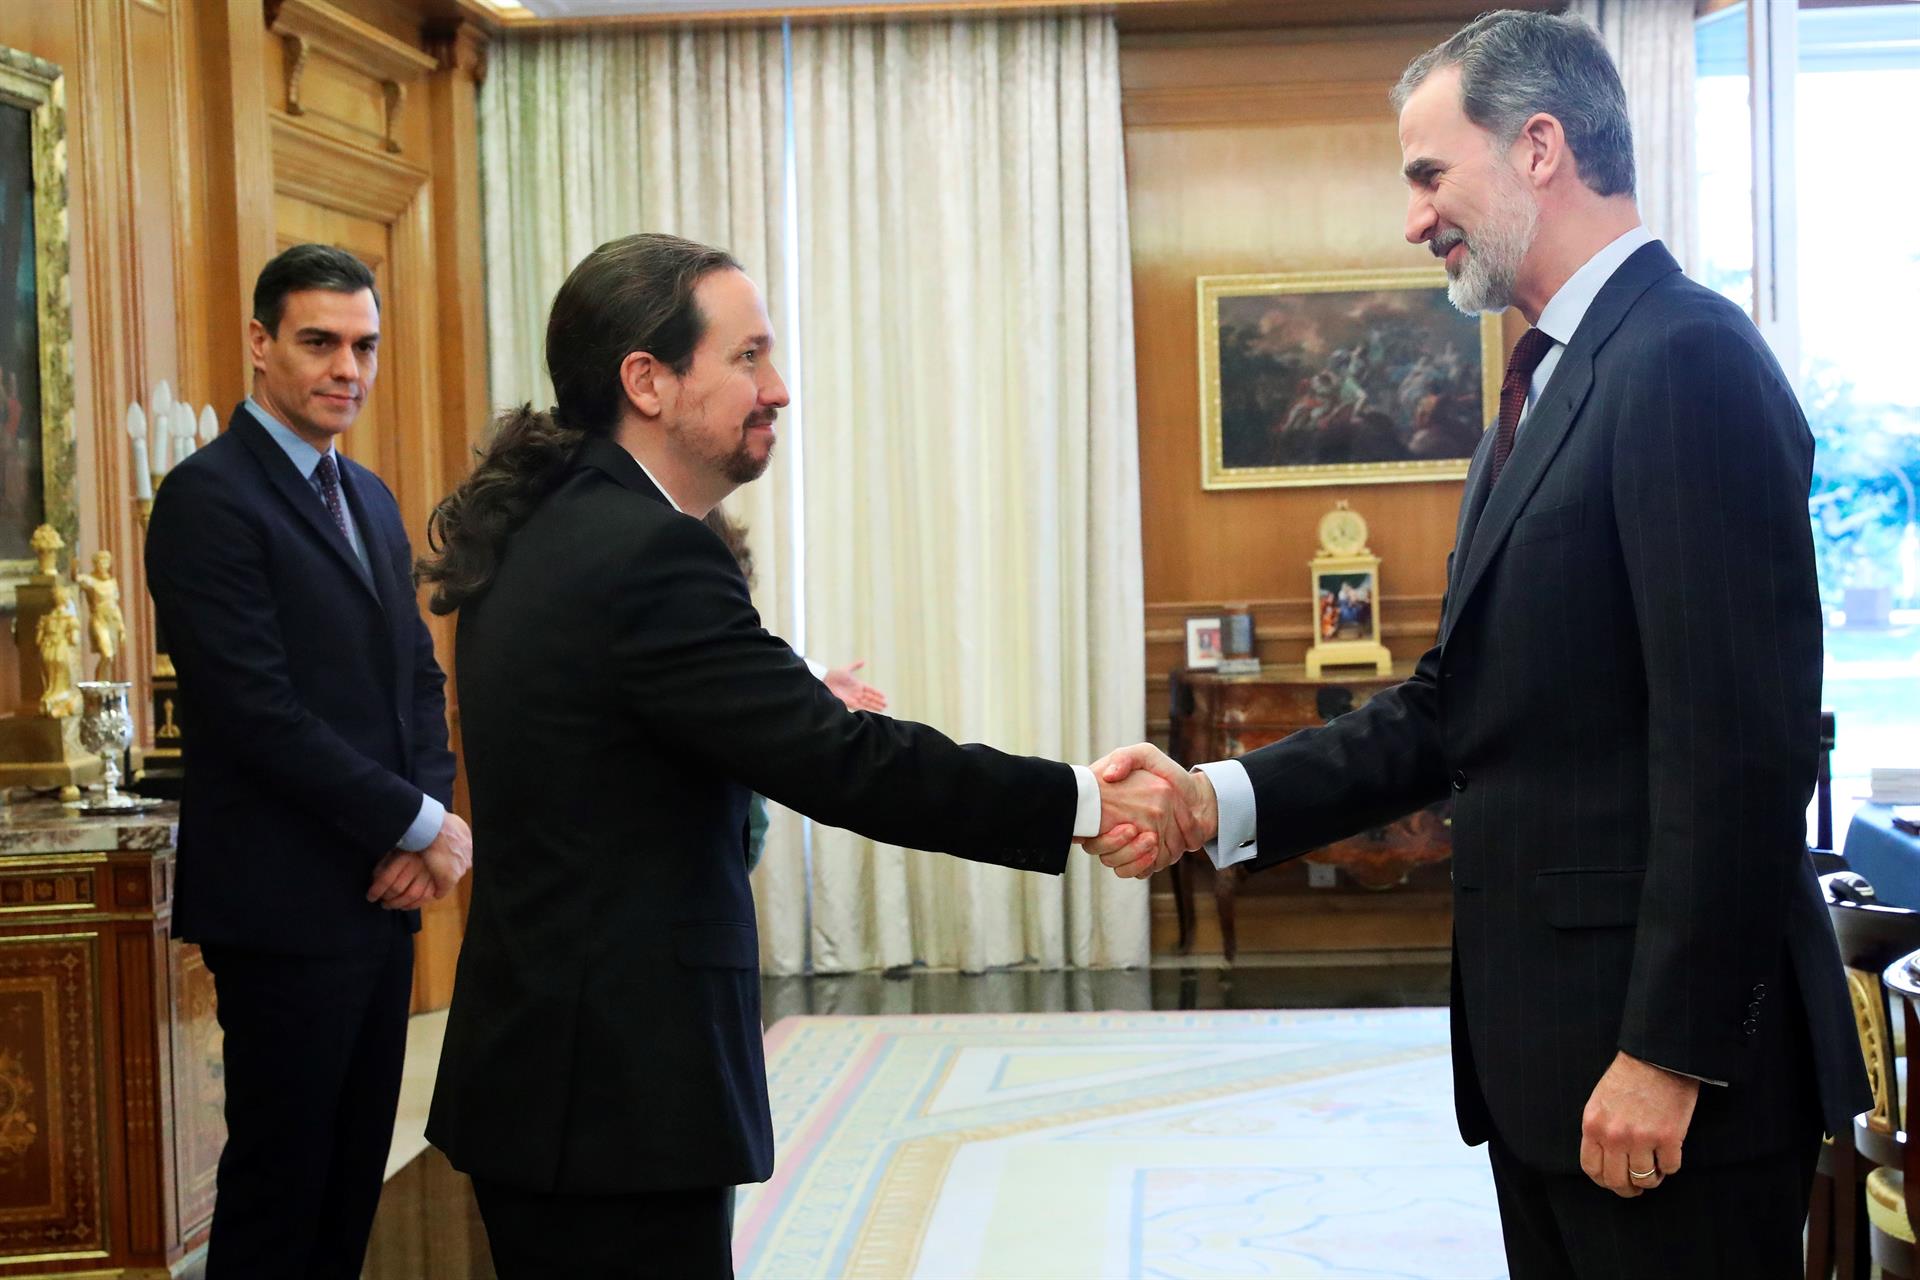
1839 251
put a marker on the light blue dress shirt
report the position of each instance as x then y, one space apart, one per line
306 460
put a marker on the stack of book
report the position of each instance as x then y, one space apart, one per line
1895 786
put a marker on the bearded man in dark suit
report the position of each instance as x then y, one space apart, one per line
602 1079
1624 704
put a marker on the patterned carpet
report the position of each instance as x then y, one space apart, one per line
1159 1145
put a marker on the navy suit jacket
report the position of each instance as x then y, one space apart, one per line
309 690
1625 704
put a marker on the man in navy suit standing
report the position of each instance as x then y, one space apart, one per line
313 822
1651 1028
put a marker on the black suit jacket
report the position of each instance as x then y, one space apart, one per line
619 703
1625 702
310 690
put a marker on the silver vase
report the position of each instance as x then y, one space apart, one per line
106 729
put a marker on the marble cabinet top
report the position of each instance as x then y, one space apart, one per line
47 826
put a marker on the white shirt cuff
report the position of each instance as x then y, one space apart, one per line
1086 813
1233 796
1688 1075
819 669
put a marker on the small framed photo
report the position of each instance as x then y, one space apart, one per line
1345 600
1203 643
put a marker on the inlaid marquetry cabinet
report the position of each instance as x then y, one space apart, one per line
110 1091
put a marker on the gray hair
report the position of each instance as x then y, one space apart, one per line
1514 65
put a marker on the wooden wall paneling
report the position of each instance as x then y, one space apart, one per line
236 163
453 117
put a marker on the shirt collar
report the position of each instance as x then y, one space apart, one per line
303 455
1567 308
656 483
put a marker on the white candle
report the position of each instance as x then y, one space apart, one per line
142 477
209 425
182 430
137 422
160 441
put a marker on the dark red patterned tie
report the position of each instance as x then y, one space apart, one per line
1527 355
329 477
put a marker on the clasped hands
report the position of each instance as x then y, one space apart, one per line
404 880
1151 811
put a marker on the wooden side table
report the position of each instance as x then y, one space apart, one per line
110 1089
1216 717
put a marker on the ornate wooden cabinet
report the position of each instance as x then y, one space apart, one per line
110 1091
1216 717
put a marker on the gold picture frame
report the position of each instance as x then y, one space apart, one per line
36 89
1341 377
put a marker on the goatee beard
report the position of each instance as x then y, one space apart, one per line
742 467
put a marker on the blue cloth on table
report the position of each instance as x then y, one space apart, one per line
1889 859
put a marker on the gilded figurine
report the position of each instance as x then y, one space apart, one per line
58 636
104 622
47 544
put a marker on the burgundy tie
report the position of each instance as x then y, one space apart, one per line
329 477
1527 355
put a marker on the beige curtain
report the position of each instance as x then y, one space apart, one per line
961 455
1652 44
972 519
589 136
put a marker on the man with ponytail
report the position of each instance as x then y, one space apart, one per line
314 821
602 1078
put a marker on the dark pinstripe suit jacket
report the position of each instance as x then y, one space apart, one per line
1624 700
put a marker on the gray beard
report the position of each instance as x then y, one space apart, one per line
1494 256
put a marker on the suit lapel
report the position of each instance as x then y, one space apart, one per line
1539 440
1545 428
1473 501
306 504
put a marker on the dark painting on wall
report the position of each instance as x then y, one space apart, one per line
22 496
36 317
1341 378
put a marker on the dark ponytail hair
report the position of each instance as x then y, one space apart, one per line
631 294
734 534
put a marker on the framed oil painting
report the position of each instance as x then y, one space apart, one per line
36 319
1341 377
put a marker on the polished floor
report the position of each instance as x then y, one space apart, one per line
428 1228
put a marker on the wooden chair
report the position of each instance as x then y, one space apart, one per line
1890 1214
1871 937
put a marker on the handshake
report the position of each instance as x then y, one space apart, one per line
1151 811
403 881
